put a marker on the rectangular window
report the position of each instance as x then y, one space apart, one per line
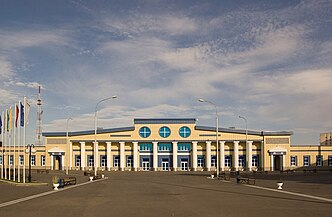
255 161
329 161
21 160
293 161
319 160
200 161
184 147
242 160
103 160
0 159
42 160
213 161
11 159
116 161
129 161
228 161
164 147
145 147
77 160
306 160
33 160
90 161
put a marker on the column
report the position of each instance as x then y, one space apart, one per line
70 155
272 162
62 161
122 156
236 155
155 156
175 156
109 155
222 155
249 155
52 163
208 155
261 161
135 157
83 164
96 153
194 157
282 166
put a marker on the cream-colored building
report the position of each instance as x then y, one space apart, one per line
325 139
173 145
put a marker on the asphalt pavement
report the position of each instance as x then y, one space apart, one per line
171 194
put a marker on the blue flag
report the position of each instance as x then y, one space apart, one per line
22 115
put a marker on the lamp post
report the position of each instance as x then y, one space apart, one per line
30 149
241 117
68 148
217 124
95 144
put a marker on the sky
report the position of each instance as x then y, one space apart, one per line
269 61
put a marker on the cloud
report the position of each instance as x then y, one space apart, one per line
6 69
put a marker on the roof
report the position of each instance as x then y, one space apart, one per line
88 132
164 121
241 131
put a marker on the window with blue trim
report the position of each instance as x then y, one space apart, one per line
255 160
214 161
144 132
329 160
164 147
184 132
228 161
184 147
242 160
200 161
164 132
145 147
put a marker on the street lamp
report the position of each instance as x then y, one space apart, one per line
68 148
246 135
215 106
30 149
95 145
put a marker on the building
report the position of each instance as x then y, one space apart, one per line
174 145
325 139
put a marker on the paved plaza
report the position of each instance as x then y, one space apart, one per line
171 194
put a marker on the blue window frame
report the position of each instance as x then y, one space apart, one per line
103 160
78 160
0 159
145 146
255 160
164 132
144 132
242 160
213 161
164 147
293 161
228 161
200 161
306 160
184 147
184 132
329 160
319 160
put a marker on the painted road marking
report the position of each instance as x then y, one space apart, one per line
46 193
292 193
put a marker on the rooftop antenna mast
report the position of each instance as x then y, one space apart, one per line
39 119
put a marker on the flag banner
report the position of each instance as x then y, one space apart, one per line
17 111
22 114
7 119
0 124
10 118
27 110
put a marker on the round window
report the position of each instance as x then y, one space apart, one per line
164 132
144 132
184 132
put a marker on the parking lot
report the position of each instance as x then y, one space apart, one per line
173 194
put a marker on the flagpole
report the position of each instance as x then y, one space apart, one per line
19 141
2 139
4 152
14 143
24 136
10 141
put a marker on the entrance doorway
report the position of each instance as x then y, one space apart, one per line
277 163
165 165
57 162
184 165
146 165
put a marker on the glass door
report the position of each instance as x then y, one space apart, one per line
165 165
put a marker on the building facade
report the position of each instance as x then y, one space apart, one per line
172 145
